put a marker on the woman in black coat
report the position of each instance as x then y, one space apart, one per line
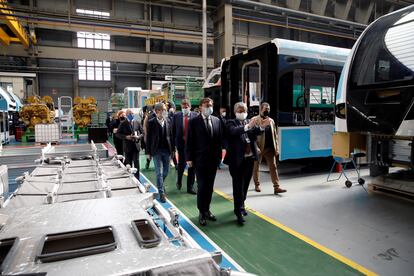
114 126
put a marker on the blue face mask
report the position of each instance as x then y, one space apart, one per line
130 117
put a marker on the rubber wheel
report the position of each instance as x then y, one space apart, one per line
348 184
361 181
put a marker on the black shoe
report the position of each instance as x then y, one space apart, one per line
210 216
243 212
191 192
202 220
178 185
162 198
240 220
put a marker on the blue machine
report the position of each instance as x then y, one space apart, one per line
135 97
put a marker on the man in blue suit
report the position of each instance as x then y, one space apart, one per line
203 151
180 123
242 151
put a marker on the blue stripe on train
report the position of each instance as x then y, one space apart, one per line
295 144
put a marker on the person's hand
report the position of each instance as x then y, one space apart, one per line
190 164
149 156
252 123
129 137
265 123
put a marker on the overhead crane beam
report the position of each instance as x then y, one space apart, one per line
14 26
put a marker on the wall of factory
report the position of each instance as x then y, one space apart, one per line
63 81
247 35
58 82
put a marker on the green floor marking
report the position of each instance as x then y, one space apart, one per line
259 247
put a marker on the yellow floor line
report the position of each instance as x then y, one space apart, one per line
305 239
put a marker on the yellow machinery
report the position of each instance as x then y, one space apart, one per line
83 109
37 111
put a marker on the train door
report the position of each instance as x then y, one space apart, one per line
251 89
319 97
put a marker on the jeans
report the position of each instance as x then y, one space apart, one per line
161 158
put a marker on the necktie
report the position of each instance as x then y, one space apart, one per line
209 128
185 127
247 149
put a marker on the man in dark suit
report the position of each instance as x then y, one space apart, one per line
241 153
203 151
180 123
131 133
159 145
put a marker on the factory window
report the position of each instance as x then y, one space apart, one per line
93 40
91 13
94 70
252 83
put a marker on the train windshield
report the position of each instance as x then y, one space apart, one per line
384 54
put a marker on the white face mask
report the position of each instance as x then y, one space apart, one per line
207 111
223 114
186 111
241 116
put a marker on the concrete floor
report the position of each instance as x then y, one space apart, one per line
374 230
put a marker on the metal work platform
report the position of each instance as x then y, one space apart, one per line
15 157
24 157
70 216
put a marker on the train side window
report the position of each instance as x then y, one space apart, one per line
320 96
252 83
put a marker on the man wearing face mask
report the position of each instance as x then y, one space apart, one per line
131 133
241 153
223 114
269 149
203 152
160 145
180 123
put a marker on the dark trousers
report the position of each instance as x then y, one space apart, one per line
118 145
205 180
241 176
181 167
132 157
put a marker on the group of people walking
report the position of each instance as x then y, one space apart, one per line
199 139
